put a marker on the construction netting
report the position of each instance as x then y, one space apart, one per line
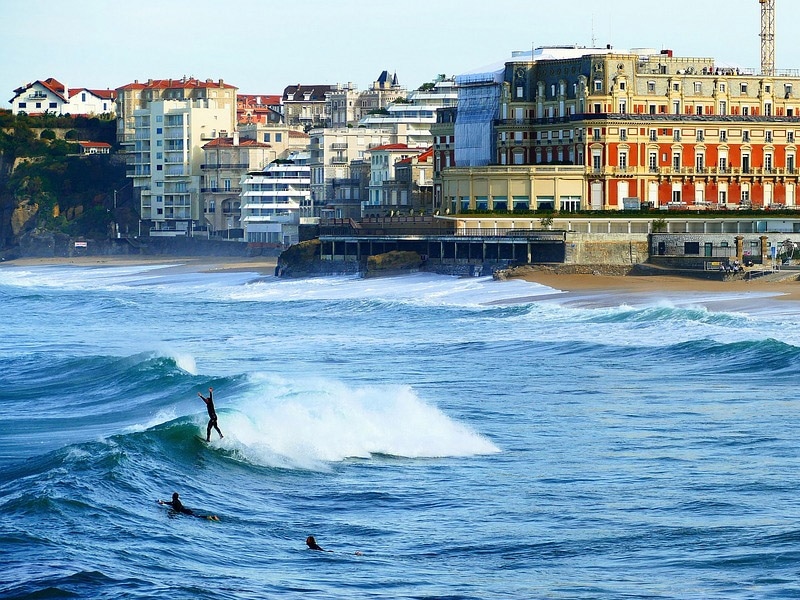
478 108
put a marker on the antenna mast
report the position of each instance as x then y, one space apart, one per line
767 37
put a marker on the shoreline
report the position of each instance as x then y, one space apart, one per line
788 289
263 265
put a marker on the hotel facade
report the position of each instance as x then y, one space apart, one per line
604 129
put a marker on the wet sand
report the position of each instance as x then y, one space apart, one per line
786 289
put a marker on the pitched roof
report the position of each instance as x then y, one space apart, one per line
420 158
95 144
53 85
104 94
183 83
390 147
228 142
298 92
254 100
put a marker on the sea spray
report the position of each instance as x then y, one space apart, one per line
308 421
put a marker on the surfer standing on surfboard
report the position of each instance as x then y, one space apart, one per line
212 414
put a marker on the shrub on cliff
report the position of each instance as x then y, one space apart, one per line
300 255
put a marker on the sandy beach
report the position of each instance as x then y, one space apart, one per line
206 264
786 289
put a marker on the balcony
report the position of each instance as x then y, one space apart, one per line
208 166
220 190
339 146
338 160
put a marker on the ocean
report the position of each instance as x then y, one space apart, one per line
443 437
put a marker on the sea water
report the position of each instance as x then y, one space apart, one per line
444 437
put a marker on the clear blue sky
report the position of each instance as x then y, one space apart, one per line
263 46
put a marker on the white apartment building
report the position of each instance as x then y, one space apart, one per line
276 200
167 158
413 118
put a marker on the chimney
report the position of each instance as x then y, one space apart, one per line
220 83
236 137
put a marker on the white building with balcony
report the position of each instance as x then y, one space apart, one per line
276 200
412 119
51 96
167 158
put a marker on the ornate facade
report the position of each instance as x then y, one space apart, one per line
650 128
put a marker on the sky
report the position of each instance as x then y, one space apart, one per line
262 46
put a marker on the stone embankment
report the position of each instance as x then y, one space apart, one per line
570 269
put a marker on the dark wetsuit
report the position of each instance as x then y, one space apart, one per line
313 545
178 506
212 414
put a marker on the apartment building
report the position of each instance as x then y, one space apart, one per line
332 151
276 200
226 161
413 117
642 126
411 190
164 125
135 96
347 106
258 108
444 143
386 196
306 105
282 139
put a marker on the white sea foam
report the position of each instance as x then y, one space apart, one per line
418 288
310 423
186 362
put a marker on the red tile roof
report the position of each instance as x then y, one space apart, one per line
183 83
254 100
105 94
95 144
228 142
390 147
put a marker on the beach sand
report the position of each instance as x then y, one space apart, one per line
786 289
263 265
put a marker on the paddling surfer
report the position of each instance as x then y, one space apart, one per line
212 414
178 507
313 545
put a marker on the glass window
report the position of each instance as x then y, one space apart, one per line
521 202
